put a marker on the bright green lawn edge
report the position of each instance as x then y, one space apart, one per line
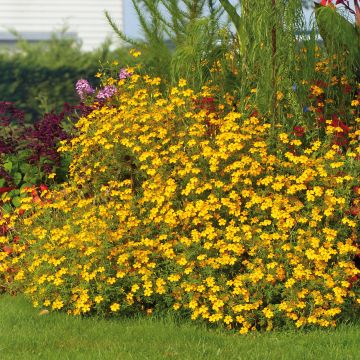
24 334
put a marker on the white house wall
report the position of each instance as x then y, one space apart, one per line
84 17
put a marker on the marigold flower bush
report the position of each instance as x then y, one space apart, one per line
173 204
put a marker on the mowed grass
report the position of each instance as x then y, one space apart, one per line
24 334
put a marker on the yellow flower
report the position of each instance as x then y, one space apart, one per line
244 330
115 307
98 299
135 53
228 320
182 83
268 313
316 90
57 304
174 278
279 95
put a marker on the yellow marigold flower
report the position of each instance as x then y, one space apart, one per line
57 304
300 322
135 53
98 299
316 90
182 83
289 283
115 307
244 330
111 280
279 95
228 320
268 313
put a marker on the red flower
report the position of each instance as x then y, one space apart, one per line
299 131
7 249
6 189
43 187
336 122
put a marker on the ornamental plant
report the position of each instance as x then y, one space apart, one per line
176 201
29 150
28 160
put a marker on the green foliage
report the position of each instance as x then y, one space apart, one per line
178 37
194 58
272 42
340 37
269 48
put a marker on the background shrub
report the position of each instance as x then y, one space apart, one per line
40 77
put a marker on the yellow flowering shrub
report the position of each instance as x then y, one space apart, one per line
170 205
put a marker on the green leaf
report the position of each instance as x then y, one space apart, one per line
2 182
16 201
6 208
8 166
31 178
13 193
25 168
17 178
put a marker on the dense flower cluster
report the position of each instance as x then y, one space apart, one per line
124 74
83 88
176 202
107 92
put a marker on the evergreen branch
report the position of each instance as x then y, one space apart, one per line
154 11
231 11
120 33
178 17
144 24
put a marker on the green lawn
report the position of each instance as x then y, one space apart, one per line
24 334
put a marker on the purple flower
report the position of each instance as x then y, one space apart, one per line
83 88
124 74
106 92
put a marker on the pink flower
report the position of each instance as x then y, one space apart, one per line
124 74
83 88
106 92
